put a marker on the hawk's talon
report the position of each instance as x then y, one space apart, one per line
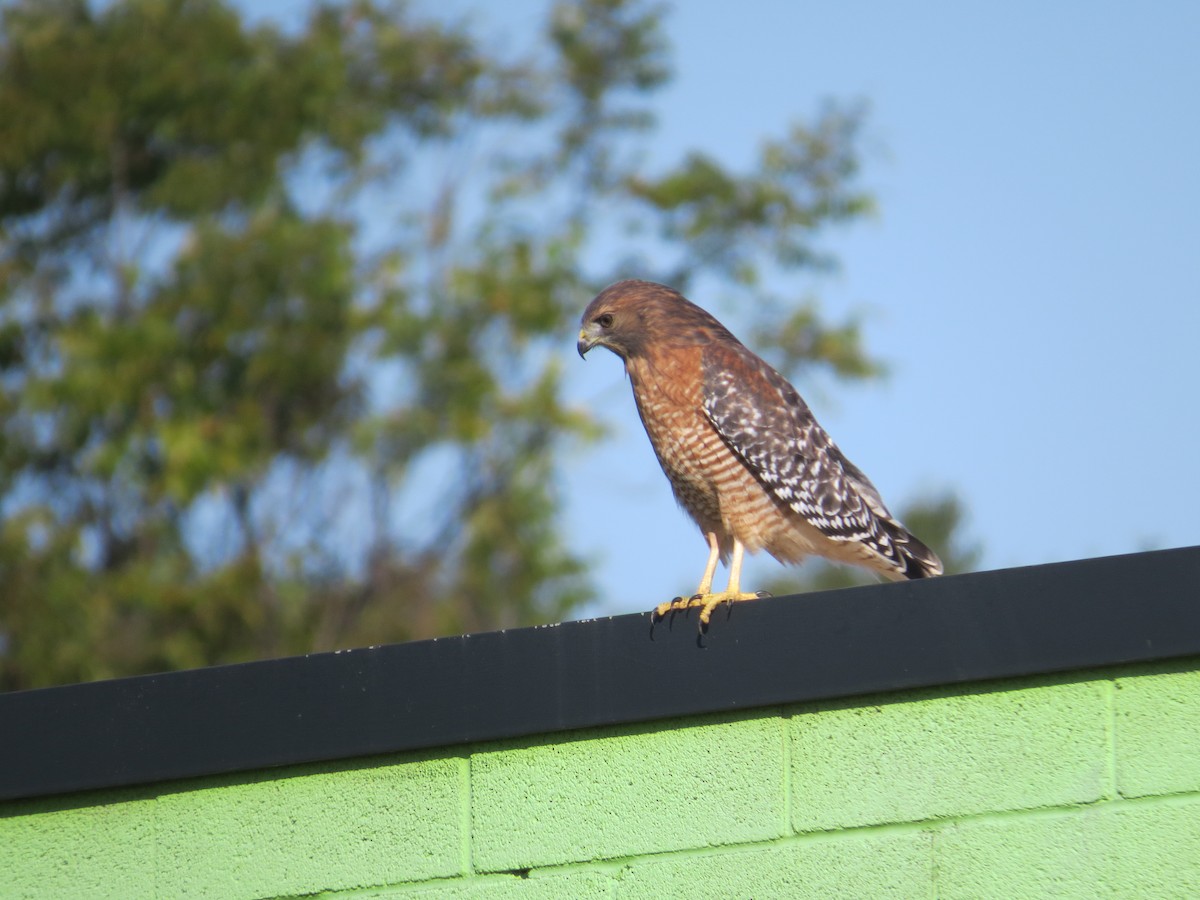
706 602
672 607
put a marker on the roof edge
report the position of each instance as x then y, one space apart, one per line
482 687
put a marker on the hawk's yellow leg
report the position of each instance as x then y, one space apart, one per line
704 596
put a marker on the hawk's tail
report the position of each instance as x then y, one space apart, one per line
918 560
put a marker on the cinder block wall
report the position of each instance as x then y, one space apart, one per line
1085 786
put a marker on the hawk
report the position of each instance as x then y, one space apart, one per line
745 457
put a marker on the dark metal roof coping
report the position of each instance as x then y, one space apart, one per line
527 681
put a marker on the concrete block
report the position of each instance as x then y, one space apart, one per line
313 832
1139 851
627 791
940 754
1158 734
50 849
823 868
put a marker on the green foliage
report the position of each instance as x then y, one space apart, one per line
726 221
283 314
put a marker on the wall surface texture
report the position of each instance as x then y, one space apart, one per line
1084 785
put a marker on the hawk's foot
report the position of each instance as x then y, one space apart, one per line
707 603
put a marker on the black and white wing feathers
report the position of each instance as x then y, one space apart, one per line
767 424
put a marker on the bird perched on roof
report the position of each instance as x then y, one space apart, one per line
745 457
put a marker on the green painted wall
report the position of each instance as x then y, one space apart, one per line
1084 786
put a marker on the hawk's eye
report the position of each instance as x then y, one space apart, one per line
605 321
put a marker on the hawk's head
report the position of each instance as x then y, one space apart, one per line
627 316
630 317
613 319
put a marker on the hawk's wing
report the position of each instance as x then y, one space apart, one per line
768 425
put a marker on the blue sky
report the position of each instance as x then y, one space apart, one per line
1032 278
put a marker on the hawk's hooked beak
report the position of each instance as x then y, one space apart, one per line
587 340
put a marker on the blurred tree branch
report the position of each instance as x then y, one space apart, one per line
282 314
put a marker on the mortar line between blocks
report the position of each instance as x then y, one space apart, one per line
785 728
425 887
464 816
1110 769
156 844
613 865
934 868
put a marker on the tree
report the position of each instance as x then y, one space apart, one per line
282 313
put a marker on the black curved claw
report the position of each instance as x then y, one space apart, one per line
669 615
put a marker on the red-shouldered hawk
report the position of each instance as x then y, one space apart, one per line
744 455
